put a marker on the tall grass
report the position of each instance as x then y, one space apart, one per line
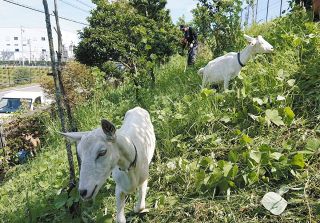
208 142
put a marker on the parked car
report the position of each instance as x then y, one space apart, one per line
14 101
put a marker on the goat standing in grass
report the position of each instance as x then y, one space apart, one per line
126 152
227 67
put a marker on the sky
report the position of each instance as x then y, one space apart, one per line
15 16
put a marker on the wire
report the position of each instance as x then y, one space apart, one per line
74 6
84 4
37 10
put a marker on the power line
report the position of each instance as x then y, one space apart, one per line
37 10
74 6
84 4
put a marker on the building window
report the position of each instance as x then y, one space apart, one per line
17 50
16 44
44 50
8 44
43 38
15 38
24 44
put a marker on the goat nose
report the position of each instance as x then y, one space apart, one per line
83 193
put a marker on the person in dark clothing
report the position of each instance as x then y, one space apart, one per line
190 40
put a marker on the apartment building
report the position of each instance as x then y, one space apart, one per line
31 44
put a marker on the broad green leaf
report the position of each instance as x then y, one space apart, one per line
225 119
200 178
280 98
274 117
207 92
253 178
291 82
234 171
255 155
226 168
276 155
44 184
148 47
258 101
289 113
60 201
313 144
298 160
215 177
297 41
246 139
233 156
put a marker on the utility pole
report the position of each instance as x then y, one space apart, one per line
280 8
29 43
72 181
22 45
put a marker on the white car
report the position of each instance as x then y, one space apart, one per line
14 100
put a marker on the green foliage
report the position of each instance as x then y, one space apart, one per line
18 132
217 152
22 75
218 23
12 76
139 34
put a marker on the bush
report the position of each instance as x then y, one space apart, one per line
22 75
17 136
78 81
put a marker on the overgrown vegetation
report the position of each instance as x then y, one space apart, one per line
139 34
12 76
217 152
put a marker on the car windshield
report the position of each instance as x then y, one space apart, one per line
8 105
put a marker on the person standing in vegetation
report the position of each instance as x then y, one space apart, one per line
190 40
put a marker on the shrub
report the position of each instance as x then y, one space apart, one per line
78 81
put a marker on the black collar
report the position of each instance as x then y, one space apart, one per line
134 162
239 61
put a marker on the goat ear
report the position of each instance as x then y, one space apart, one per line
73 136
248 38
108 128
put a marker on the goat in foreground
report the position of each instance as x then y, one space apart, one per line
227 67
126 152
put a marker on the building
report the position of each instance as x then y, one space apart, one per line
30 45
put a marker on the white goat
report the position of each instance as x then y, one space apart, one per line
227 67
126 152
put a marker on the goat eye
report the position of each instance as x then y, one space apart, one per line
102 153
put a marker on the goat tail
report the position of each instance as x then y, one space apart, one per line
201 71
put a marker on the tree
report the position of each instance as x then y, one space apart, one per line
304 3
219 19
137 33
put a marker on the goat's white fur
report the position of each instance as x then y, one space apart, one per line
137 130
225 68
